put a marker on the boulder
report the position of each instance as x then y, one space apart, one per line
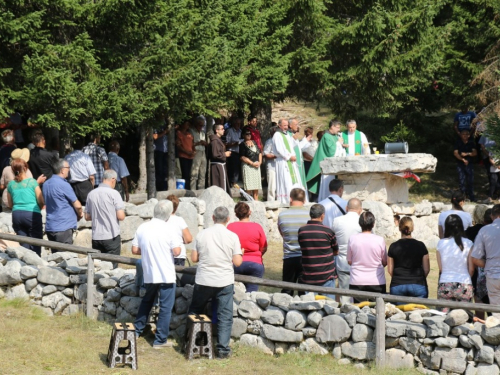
333 329
309 331
144 210
113 295
129 226
107 283
249 309
423 208
410 345
81 294
307 305
188 212
446 342
310 345
53 275
368 319
215 197
491 335
181 306
262 299
456 317
436 327
397 358
485 369
486 354
258 215
49 289
359 350
281 334
460 330
130 304
10 274
295 320
453 360
281 300
361 332
403 208
258 342
384 222
31 258
273 315
30 284
109 307
239 327
16 252
83 238
254 326
314 318
16 291
197 203
56 301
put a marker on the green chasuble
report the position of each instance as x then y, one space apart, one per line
326 148
357 142
300 162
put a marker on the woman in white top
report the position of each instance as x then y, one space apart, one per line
454 262
182 231
457 202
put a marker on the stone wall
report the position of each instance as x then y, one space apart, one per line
274 323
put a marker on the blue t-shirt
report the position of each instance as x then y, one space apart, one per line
59 197
464 120
117 164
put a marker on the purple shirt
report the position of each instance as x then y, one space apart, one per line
368 256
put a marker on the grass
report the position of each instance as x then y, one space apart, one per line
33 343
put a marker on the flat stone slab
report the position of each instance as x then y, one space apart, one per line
388 163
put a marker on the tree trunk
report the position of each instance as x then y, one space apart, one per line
150 164
171 154
142 182
262 111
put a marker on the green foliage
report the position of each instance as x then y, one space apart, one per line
493 132
400 133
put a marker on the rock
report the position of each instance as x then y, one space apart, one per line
446 342
359 366
456 318
346 308
410 345
36 292
181 306
68 292
109 307
30 284
4 258
351 318
403 208
361 332
309 331
61 256
398 316
72 309
475 340
460 330
280 348
53 275
310 345
239 328
423 208
83 238
123 316
295 320
129 226
491 321
113 295
359 350
281 334
384 224
77 279
48 289
415 317
485 369
464 341
333 328
281 300
190 215
215 197
368 319
344 361
107 283
28 272
16 252
258 342
128 290
81 294
258 215
330 308
337 351
254 326
395 329
437 206
16 291
187 291
131 304
262 299
491 335
397 358
273 315
56 301
470 370
10 274
453 360
436 327
197 203
31 258
144 211
391 342
486 354
249 309
314 318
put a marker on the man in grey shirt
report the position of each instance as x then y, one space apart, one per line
486 253
105 208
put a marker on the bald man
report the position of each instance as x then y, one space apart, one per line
344 227
117 164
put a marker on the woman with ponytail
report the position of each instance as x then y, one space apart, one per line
408 263
457 202
454 262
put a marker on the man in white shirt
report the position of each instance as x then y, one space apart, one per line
157 247
82 176
344 227
217 250
270 167
334 205
355 142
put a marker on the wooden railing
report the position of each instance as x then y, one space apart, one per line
380 299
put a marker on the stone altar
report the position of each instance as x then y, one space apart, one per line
369 177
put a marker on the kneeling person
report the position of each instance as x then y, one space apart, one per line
157 247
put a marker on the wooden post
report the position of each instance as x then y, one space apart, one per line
90 286
380 333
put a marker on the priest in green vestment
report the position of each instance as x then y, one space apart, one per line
354 141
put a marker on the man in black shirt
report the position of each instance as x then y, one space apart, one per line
41 160
318 246
464 152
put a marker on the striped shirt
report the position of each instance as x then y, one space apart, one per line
289 222
318 245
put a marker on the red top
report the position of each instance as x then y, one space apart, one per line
252 239
255 135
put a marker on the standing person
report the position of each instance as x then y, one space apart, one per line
98 156
494 177
408 264
186 152
157 248
329 146
270 167
334 205
217 250
233 139
294 129
253 242
118 165
289 223
309 152
251 158
218 156
463 120
367 256
485 143
41 160
181 230
318 246
9 145
464 151
344 227
287 171
199 168
454 262
486 254
161 157
25 198
252 126
354 141
457 202
105 208
82 176
62 206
